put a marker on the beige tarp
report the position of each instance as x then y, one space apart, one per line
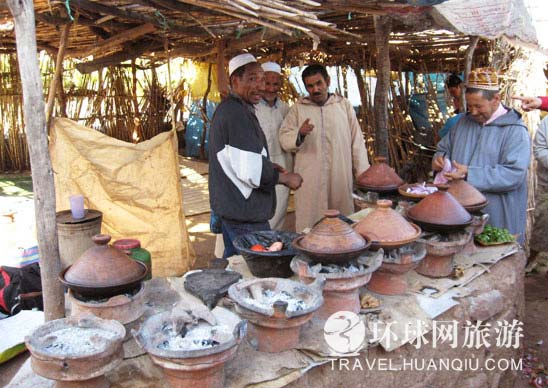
136 186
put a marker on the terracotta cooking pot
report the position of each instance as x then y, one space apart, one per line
103 268
467 195
439 211
386 228
331 238
380 176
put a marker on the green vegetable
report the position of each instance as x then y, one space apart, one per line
492 234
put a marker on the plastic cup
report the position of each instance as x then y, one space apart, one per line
77 206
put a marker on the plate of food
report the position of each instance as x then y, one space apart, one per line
417 190
492 235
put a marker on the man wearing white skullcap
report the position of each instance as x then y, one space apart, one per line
242 178
239 61
271 112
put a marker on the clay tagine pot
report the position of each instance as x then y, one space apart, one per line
276 309
331 240
386 228
467 195
440 212
379 177
76 352
103 271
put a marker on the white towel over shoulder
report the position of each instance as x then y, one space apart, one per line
243 168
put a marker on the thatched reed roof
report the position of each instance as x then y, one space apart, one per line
287 31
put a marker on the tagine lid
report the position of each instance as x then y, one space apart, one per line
465 193
440 208
103 266
332 235
385 225
380 175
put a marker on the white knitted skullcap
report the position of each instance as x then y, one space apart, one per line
239 61
272 66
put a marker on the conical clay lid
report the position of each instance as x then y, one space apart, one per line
465 193
439 208
332 235
103 266
380 175
385 227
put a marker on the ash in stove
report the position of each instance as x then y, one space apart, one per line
445 237
345 268
77 341
269 297
403 255
193 337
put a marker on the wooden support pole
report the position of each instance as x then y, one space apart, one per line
222 80
383 26
58 75
468 66
205 118
363 93
42 172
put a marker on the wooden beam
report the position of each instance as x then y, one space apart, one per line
57 76
42 172
231 45
135 50
115 40
134 16
82 20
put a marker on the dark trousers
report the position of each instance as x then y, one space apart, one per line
232 229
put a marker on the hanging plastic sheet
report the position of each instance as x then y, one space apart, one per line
136 186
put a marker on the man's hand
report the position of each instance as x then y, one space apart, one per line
438 162
306 128
291 180
279 168
460 173
528 103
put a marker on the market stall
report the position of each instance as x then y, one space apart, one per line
482 304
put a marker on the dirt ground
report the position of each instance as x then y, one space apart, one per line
16 194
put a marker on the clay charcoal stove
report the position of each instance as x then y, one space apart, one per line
478 224
390 278
276 309
440 252
342 282
191 347
125 308
76 352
